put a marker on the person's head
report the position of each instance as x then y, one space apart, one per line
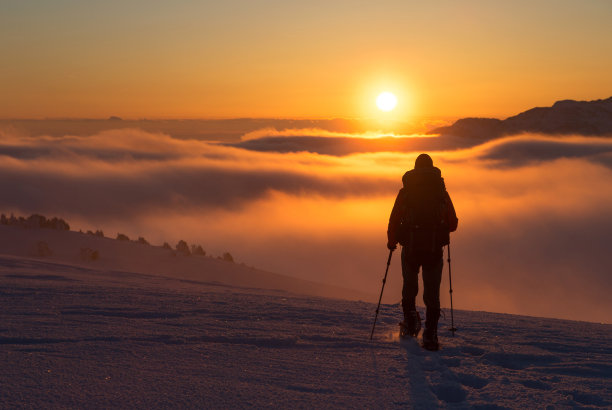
423 161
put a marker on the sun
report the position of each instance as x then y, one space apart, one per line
386 101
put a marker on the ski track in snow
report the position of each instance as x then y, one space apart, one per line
77 337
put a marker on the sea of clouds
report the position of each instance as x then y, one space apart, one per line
535 211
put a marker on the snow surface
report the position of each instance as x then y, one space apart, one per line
91 337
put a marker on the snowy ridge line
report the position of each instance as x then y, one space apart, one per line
11 262
31 266
70 250
28 268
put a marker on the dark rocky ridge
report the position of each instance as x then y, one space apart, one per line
564 117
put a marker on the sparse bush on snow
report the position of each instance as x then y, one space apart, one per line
35 221
198 250
42 248
183 248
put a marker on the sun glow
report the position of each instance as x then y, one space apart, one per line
386 101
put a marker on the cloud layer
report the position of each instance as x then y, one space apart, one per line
535 212
527 149
342 144
130 172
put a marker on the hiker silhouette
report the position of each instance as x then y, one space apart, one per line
421 221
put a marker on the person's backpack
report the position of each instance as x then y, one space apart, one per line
428 216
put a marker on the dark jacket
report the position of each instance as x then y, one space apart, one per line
420 182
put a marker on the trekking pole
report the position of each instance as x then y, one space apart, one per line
381 292
450 284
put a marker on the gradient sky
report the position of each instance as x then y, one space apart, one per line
318 58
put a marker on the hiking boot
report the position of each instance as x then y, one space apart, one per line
430 334
430 339
411 326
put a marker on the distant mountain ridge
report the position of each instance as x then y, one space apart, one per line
564 117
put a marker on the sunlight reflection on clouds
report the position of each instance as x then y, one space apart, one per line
535 212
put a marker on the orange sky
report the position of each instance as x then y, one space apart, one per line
299 59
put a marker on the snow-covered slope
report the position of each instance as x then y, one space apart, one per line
73 337
114 255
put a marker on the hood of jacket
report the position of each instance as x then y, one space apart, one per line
421 173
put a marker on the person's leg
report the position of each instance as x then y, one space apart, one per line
410 273
432 276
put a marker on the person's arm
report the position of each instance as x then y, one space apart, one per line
395 220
